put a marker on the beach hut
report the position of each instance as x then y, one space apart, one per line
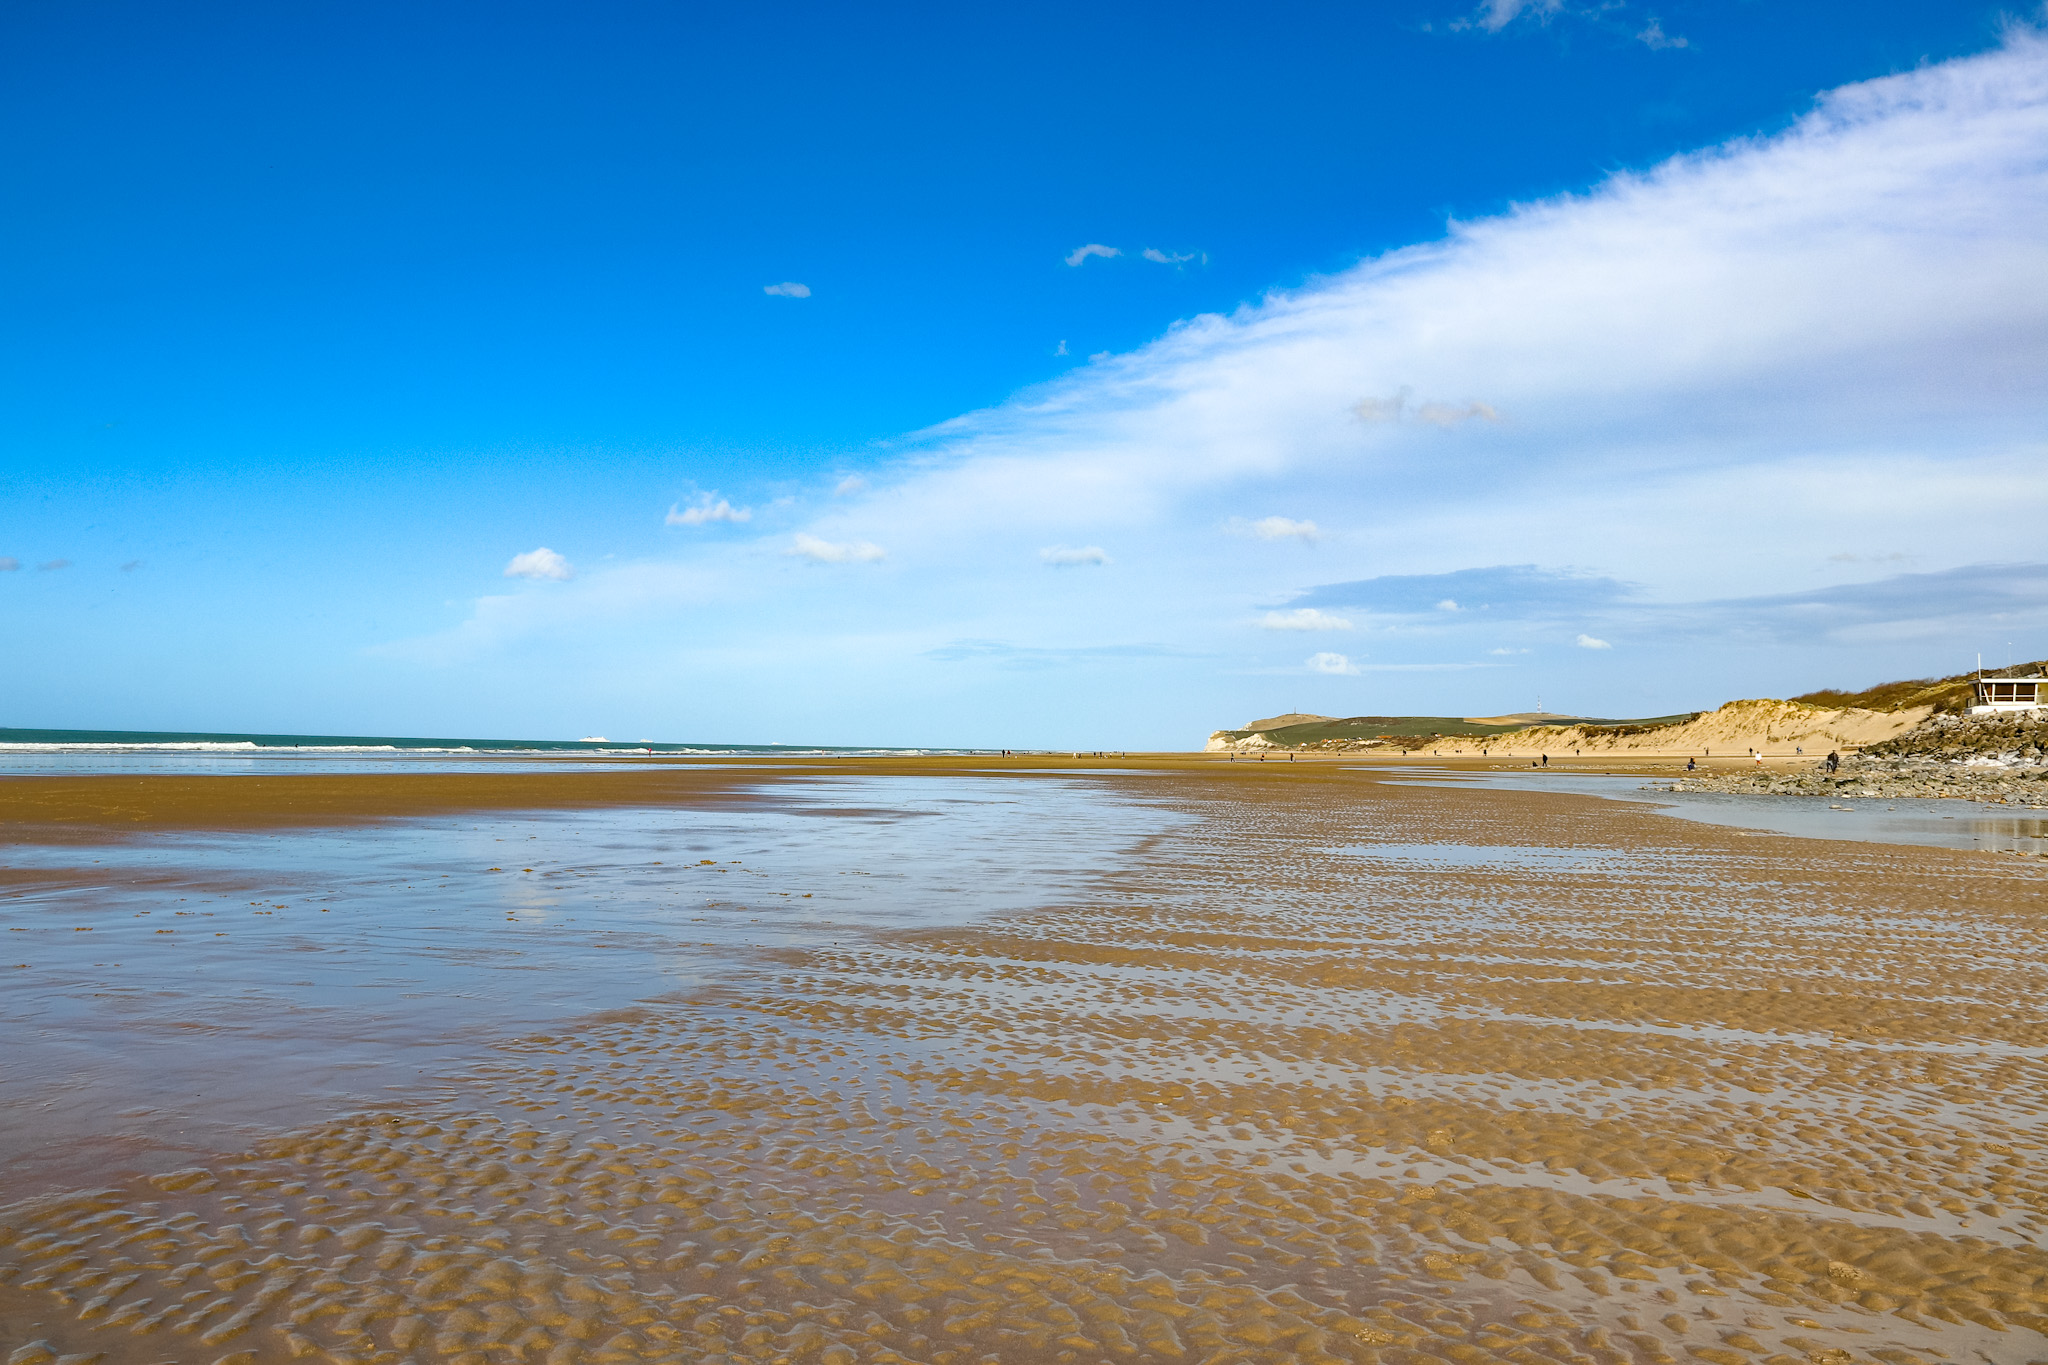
1998 695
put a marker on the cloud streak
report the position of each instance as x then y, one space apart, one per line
1082 253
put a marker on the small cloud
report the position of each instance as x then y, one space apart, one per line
1082 253
1154 254
1588 642
788 289
1449 604
827 552
1303 618
1657 40
1451 414
709 508
9 564
1505 650
131 566
1327 662
541 563
1066 556
848 486
1381 409
52 565
1277 528
1061 349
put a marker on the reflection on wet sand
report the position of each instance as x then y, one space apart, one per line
1261 1094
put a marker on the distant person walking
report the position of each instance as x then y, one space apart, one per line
1546 760
1834 760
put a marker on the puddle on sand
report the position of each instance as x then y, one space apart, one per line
1950 823
168 992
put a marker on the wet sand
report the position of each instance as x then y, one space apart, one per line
1331 1068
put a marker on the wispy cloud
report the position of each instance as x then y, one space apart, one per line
807 546
52 565
850 485
1495 15
1155 255
788 289
708 508
1656 39
1303 618
542 563
1523 591
9 564
1327 662
1588 642
131 566
1082 253
1395 406
1068 556
1277 528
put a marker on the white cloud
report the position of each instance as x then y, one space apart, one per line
829 552
541 563
1449 604
1495 15
850 485
1303 618
788 289
1082 253
709 507
1505 650
1588 642
1280 528
1327 662
1153 253
1061 349
1066 556
1656 39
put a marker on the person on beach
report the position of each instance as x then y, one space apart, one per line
1691 764
1546 760
1834 760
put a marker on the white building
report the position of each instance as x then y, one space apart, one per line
1999 695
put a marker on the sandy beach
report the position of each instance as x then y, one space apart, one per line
1163 1059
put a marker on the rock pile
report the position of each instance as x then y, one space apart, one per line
1980 758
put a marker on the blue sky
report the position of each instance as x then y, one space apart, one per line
1639 356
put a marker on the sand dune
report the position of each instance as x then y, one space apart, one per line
1775 727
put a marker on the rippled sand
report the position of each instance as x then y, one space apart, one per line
1314 1078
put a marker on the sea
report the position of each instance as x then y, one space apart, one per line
56 752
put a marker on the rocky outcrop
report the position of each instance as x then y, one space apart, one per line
1981 758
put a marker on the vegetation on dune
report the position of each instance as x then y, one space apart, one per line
1948 696
1411 732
